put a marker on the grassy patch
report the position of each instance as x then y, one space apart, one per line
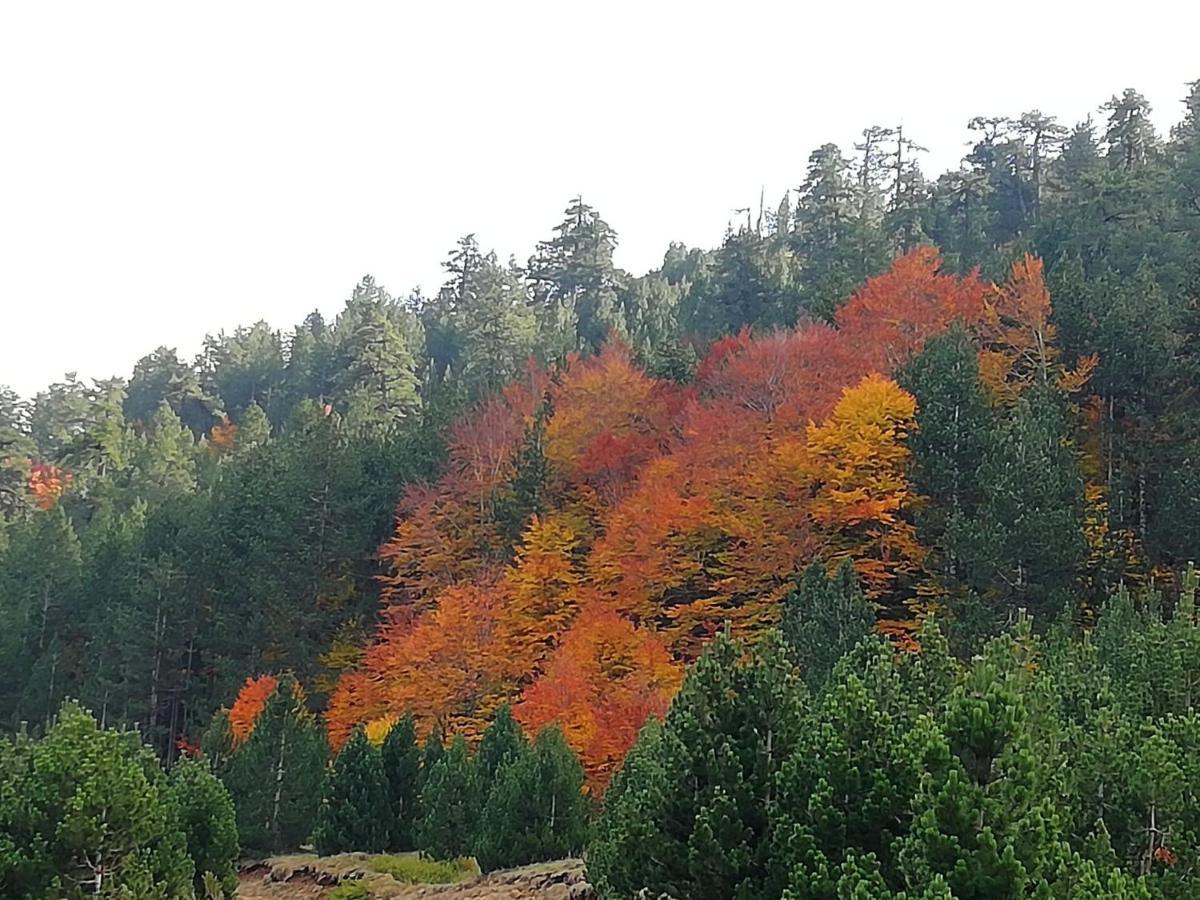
415 870
350 890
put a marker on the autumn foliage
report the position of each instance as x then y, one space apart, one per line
249 703
665 513
46 484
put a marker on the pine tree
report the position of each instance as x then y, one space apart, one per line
688 813
354 809
16 449
480 328
836 248
88 812
40 580
751 282
1026 538
1130 135
209 822
401 758
161 377
535 810
502 740
824 617
524 496
216 744
253 428
243 368
953 426
845 789
432 753
575 284
165 458
377 357
275 776
449 805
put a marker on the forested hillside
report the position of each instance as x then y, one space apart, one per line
553 482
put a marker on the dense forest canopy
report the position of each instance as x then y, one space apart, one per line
553 481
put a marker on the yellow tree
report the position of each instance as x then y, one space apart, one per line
858 460
1018 338
542 596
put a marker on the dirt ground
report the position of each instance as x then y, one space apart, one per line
305 877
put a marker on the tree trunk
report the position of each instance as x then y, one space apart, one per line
277 802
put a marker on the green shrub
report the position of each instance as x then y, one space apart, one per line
350 890
419 870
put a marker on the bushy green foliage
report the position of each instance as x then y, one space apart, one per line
688 812
1056 766
421 870
823 618
86 811
503 740
209 822
350 890
354 811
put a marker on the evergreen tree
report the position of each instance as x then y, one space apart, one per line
275 776
1026 540
40 582
209 823
450 805
688 812
432 753
503 739
354 809
535 810
161 377
309 374
824 617
88 812
983 816
576 287
16 448
836 247
377 357
216 744
751 281
480 329
401 760
164 458
524 496
1130 134
253 428
948 445
651 307
244 367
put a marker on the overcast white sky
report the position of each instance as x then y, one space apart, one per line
171 169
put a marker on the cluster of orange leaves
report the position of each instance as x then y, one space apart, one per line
249 703
671 512
47 483
223 435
